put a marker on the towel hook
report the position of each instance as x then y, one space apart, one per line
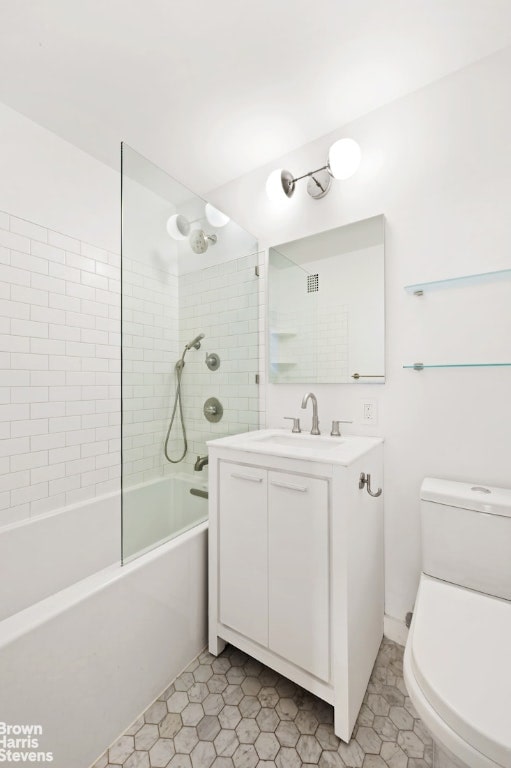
366 480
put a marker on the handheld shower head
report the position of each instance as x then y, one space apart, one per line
195 342
200 241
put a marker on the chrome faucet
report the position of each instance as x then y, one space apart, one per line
200 462
315 422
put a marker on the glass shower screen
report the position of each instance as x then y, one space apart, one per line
190 349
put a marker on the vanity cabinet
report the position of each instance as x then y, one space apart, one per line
273 535
298 571
296 565
243 544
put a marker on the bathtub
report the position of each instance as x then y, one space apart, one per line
158 510
80 664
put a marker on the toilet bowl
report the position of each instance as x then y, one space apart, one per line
457 663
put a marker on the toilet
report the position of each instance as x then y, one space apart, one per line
457 663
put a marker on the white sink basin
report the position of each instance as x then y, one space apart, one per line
303 442
304 446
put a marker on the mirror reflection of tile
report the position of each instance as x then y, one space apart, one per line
326 306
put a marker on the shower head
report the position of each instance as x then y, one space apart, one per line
200 241
195 342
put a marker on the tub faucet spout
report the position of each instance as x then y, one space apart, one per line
315 421
200 462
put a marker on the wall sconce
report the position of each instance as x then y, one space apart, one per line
179 228
343 161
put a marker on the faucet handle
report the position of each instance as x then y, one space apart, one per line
336 432
296 424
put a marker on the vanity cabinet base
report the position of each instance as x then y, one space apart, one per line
296 570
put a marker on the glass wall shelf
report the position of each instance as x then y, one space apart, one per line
422 366
419 288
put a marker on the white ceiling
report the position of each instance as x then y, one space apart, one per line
211 89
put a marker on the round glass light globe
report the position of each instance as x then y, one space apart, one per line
215 217
178 226
344 158
274 188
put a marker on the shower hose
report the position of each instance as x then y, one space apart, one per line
177 403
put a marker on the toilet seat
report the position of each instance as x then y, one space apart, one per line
458 671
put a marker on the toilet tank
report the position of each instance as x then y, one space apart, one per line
466 535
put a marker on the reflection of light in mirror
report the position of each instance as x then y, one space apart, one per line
215 217
178 227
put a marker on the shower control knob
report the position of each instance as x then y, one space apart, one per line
213 361
213 409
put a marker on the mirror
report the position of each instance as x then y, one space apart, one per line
326 307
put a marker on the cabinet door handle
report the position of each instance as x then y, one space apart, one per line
252 478
290 486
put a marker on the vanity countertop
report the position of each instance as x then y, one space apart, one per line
279 442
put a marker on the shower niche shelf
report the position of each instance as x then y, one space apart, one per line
282 332
418 289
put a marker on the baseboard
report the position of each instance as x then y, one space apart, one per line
395 630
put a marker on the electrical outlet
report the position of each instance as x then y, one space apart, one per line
369 412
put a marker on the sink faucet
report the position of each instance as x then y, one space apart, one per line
200 462
315 422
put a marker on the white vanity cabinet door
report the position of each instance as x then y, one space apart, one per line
298 543
243 550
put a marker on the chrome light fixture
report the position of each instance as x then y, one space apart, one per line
343 161
180 228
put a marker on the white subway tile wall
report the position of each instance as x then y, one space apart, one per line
60 362
310 345
224 302
150 349
59 370
332 343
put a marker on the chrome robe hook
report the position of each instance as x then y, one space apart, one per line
366 480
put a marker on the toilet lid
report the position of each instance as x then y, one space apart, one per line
461 657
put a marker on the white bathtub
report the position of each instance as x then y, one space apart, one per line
161 509
84 662
42 555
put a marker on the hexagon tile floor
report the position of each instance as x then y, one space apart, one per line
233 712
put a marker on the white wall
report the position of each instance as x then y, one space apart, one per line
438 165
55 184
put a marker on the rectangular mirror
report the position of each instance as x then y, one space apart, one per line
327 306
